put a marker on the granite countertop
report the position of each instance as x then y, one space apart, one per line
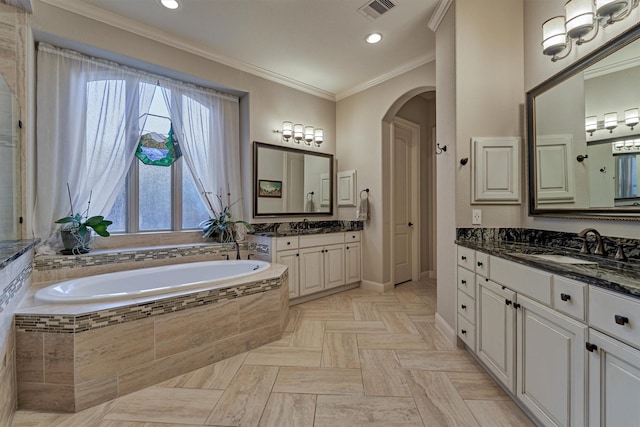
618 276
11 250
305 231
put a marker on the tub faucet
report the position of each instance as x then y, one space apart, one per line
585 245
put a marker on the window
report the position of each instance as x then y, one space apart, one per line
90 118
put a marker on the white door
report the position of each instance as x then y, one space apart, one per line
333 266
292 260
614 383
551 364
311 270
402 205
495 330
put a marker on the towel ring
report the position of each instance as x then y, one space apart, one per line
310 195
366 191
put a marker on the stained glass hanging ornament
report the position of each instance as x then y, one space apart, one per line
158 150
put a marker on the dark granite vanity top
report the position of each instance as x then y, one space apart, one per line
11 250
303 228
623 277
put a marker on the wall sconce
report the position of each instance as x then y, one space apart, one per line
591 124
611 121
299 133
581 17
631 117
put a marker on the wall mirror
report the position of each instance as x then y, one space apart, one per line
584 135
288 181
9 165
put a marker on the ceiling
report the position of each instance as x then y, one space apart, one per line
314 45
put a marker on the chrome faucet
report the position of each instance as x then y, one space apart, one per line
585 245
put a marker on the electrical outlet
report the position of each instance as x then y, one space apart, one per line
476 216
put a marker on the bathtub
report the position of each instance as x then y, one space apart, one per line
145 282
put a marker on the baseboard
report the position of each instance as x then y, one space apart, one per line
377 287
305 298
429 274
445 329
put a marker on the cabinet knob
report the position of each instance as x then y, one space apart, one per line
479 263
463 331
508 301
288 243
565 297
621 320
591 347
464 307
464 258
297 254
464 282
516 305
347 248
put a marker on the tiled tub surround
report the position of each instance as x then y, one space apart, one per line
71 357
515 244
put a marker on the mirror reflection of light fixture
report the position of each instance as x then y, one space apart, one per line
611 121
298 133
591 124
580 19
318 137
631 117
618 145
308 134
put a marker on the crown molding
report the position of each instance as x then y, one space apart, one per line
135 27
597 71
438 15
386 76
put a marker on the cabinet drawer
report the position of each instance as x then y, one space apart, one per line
351 236
569 297
615 315
467 332
466 282
528 281
284 243
467 307
321 240
466 258
482 264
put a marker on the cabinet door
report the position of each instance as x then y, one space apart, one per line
352 263
551 364
614 383
333 266
495 169
311 270
495 330
292 260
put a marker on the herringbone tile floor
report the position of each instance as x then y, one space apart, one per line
357 358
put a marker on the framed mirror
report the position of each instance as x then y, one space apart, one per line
583 135
290 182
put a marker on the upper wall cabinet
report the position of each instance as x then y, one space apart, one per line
495 177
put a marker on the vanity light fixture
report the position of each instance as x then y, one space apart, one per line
318 137
308 135
631 117
611 121
299 132
581 18
591 124
287 131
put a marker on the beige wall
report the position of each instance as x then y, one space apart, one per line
538 68
363 145
265 104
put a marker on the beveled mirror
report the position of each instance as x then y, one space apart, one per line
583 145
291 182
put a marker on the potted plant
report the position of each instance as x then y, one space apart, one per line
76 229
221 227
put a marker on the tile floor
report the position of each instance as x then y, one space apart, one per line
357 358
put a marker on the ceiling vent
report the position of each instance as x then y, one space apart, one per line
372 10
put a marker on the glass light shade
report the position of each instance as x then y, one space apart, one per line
308 134
611 121
636 144
628 145
287 130
318 136
298 132
631 117
610 7
591 124
580 18
554 36
618 145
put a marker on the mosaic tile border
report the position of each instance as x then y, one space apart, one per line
56 262
71 324
14 286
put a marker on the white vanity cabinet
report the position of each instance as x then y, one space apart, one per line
466 297
614 359
287 254
353 264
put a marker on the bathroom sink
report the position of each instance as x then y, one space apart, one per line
560 259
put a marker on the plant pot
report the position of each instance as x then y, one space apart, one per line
74 243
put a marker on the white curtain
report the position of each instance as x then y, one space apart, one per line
83 136
207 127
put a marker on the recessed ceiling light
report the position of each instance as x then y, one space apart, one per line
170 4
373 38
